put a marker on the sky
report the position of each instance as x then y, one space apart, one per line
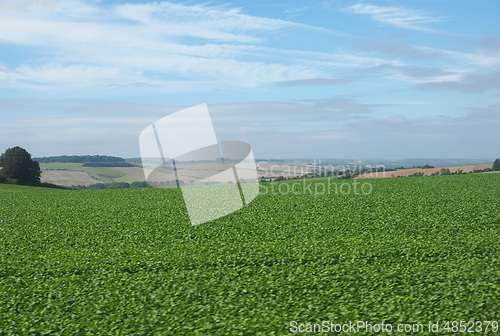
294 79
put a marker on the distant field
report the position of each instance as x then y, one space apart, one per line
129 174
427 171
113 262
107 174
68 178
67 174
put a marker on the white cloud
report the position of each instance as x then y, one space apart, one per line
201 21
83 44
396 16
182 48
158 44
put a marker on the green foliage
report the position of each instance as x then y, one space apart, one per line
482 170
118 185
496 165
445 171
137 184
19 167
80 159
127 261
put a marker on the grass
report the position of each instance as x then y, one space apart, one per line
10 188
120 261
103 173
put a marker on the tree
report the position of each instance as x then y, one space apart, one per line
18 165
496 165
445 171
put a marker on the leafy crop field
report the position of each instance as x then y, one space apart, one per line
112 262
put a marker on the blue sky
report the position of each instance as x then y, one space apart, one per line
316 79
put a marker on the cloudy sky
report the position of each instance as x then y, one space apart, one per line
316 79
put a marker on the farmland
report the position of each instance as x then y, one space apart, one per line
72 174
116 261
425 171
67 174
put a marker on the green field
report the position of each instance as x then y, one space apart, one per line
100 174
113 262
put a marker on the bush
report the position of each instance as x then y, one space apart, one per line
445 171
52 185
98 186
118 185
142 184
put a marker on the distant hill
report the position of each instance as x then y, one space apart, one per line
428 161
461 169
389 163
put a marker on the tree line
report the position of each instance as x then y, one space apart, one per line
80 159
108 164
